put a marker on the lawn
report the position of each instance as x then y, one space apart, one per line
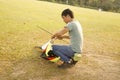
19 34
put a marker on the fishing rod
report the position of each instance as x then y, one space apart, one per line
48 32
45 30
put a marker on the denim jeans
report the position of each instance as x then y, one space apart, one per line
64 52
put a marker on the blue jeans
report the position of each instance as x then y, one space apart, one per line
64 52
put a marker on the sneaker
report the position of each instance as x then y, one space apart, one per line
74 62
65 65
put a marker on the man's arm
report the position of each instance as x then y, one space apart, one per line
66 37
60 33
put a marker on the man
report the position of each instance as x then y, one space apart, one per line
74 29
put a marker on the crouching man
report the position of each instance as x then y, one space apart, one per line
67 53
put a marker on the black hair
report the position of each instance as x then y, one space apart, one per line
67 12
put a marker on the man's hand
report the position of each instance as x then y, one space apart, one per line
60 33
60 37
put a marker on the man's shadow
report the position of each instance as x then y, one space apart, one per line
48 68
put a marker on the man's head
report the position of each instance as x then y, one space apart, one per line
67 15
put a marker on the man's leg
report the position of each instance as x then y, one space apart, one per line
64 52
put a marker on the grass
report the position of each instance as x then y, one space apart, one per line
19 34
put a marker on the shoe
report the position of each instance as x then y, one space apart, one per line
65 65
73 62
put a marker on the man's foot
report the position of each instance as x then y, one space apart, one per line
65 65
68 64
74 62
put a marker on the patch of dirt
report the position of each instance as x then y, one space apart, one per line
96 67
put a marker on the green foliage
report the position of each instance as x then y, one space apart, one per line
107 5
117 6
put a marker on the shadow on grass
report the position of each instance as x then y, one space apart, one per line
36 68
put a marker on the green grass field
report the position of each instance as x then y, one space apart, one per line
19 34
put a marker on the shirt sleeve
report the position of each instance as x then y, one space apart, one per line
69 26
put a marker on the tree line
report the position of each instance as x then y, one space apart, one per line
106 5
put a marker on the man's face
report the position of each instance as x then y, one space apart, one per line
66 19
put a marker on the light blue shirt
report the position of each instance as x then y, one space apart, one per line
76 36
